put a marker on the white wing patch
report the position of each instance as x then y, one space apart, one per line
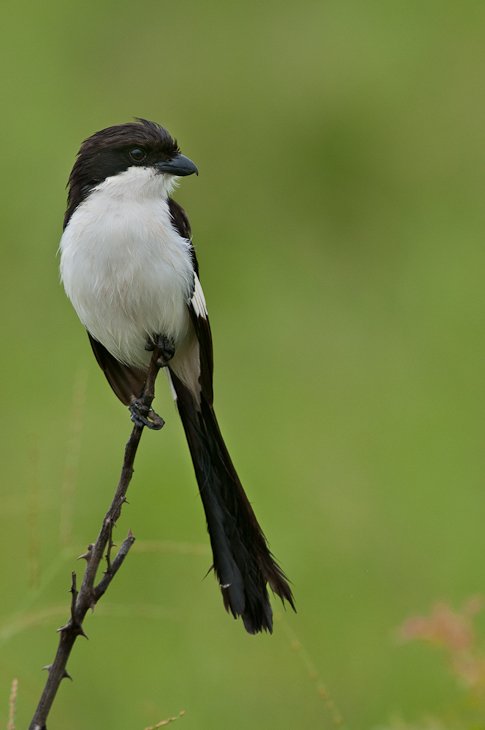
172 389
198 299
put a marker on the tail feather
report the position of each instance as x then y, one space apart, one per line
243 562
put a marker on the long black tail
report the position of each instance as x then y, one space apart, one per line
242 561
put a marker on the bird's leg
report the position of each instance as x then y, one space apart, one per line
165 347
141 414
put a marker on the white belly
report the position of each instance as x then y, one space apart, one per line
127 272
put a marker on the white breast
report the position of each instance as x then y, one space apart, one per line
126 270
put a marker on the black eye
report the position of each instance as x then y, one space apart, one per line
137 155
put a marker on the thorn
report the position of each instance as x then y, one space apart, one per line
65 675
130 534
77 628
87 555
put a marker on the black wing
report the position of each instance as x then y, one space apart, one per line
196 305
181 223
127 382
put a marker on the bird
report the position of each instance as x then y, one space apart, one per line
129 267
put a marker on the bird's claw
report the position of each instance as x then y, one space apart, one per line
142 415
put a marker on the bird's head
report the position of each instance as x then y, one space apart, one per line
123 148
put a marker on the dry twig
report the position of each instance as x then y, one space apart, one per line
12 705
165 722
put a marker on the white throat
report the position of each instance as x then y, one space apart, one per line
138 183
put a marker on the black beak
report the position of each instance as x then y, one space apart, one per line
179 165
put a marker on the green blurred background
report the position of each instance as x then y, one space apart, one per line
339 223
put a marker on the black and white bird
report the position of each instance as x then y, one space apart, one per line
130 270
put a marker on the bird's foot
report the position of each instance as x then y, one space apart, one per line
142 415
165 347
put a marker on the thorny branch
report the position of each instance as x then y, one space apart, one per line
89 594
